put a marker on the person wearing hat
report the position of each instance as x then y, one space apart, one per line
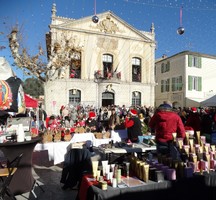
165 122
91 122
194 120
133 125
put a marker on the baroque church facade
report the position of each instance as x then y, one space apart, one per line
98 64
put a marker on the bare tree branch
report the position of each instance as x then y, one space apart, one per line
59 59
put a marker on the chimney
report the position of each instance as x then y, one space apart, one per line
164 56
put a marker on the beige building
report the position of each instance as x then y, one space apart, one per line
186 79
104 63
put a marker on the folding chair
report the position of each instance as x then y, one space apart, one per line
34 185
7 174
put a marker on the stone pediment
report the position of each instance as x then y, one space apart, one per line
108 23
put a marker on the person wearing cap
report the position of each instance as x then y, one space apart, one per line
91 122
165 122
133 125
194 120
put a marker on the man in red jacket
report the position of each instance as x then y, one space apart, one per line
165 122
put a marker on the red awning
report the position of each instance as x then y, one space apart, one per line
30 102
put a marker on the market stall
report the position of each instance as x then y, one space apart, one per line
30 101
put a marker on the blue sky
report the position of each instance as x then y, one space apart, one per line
34 16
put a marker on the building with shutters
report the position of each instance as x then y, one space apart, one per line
185 79
111 62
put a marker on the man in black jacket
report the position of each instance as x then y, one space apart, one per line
133 125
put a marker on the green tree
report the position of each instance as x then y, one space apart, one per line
33 87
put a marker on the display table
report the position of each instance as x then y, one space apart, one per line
81 137
57 150
136 148
90 190
23 179
197 187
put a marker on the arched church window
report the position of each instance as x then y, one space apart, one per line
136 98
74 96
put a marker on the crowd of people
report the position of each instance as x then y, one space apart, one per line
161 122
105 118
138 120
117 117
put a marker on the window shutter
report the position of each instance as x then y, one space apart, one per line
168 85
199 83
162 67
180 82
190 60
173 84
190 82
162 85
199 62
168 65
